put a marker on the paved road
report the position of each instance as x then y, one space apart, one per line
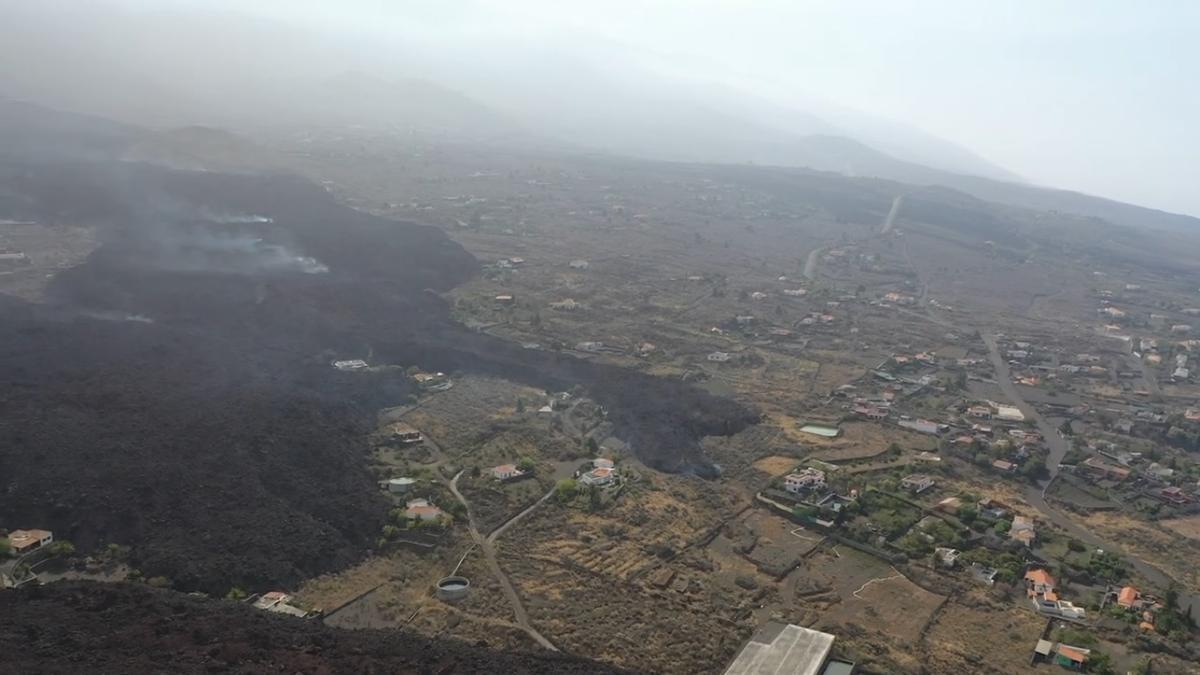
810 265
489 553
891 216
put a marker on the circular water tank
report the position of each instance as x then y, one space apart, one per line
400 485
452 589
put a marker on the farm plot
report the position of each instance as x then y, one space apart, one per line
873 596
621 541
618 622
1188 527
991 639
465 416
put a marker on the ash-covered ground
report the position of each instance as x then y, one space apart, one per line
174 393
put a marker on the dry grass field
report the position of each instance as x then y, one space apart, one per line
986 638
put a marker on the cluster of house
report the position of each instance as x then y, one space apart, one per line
809 487
1042 590
994 427
1144 607
1129 473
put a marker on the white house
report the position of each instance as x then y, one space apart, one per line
917 482
804 481
506 472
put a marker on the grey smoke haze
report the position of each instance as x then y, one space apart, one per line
1098 97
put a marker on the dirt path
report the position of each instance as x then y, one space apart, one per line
500 530
862 588
489 554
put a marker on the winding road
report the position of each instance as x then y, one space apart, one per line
1036 494
489 553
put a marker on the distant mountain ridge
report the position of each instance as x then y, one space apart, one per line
535 96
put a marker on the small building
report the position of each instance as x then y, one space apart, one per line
1059 608
421 510
1174 495
871 412
26 541
1128 597
1073 658
399 486
405 434
1009 413
980 411
506 472
922 426
804 481
1039 583
947 557
778 648
917 483
602 463
429 380
280 603
1004 466
1101 469
599 476
566 305
1023 530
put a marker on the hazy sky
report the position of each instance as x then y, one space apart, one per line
1098 96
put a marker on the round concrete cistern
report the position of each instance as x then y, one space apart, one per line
451 589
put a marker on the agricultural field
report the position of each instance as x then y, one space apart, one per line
990 637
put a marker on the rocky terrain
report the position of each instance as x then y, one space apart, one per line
125 628
176 394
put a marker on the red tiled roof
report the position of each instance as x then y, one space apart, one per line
1039 576
1127 596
